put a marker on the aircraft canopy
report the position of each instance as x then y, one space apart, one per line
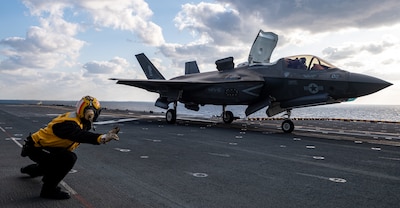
261 50
308 62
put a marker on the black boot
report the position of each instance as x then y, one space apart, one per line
53 193
32 170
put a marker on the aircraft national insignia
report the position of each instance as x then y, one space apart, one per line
313 88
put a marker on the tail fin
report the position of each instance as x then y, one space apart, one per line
191 67
149 69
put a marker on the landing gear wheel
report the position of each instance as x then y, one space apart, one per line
227 117
287 126
170 116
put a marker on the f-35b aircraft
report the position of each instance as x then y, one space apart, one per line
290 82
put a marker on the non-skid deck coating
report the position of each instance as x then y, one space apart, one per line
210 164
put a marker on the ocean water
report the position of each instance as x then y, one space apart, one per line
336 111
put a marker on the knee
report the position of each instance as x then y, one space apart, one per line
71 158
67 158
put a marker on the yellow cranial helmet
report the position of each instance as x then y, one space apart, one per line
88 103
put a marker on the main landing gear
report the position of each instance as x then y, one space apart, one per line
170 116
227 116
287 124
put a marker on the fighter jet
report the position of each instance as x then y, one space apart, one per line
288 83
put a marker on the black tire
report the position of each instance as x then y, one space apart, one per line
287 126
170 116
227 117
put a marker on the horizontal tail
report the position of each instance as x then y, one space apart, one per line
149 69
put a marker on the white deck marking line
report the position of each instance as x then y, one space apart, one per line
336 180
115 121
16 142
390 158
68 188
219 154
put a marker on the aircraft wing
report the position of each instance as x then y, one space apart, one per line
152 85
165 85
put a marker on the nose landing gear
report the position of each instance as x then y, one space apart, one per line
227 116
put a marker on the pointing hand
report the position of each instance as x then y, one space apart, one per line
111 135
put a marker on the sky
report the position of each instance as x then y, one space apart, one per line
65 49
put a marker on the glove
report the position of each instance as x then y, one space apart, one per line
115 130
27 148
111 135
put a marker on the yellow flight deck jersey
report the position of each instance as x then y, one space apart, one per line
65 131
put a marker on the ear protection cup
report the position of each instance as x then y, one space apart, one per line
86 103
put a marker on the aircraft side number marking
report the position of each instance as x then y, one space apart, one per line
335 76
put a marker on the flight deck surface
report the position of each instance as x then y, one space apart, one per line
205 163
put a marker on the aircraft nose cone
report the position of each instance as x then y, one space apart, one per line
362 84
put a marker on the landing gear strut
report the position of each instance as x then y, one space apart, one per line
227 116
287 124
170 116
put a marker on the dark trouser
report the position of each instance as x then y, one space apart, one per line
54 163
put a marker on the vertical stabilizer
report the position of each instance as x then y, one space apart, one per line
149 69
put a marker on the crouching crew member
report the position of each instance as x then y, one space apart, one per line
52 147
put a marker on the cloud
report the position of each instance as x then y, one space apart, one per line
374 48
131 15
34 84
51 50
223 27
221 23
320 16
339 53
353 49
219 31
216 20
113 66
44 47
54 43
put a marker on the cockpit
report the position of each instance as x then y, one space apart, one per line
307 62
